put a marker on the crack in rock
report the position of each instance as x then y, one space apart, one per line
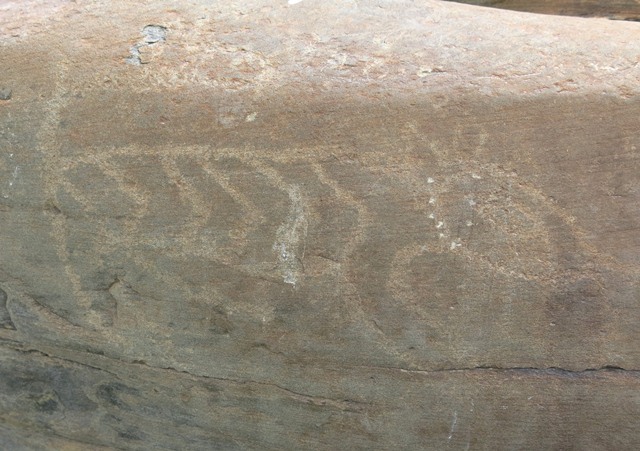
5 316
549 371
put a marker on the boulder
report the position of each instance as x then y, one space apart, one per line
317 224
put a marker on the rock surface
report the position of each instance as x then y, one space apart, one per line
317 225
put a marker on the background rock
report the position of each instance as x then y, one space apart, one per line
612 9
317 225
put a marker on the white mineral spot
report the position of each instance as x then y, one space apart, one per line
154 33
432 201
476 176
453 425
251 117
439 225
430 180
15 175
432 216
469 223
471 202
290 238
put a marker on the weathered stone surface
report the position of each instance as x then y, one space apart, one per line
317 225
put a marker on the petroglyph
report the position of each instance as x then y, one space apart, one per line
290 239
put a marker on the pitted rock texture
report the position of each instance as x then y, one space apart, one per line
317 225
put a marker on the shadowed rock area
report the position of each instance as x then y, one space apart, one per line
612 9
317 225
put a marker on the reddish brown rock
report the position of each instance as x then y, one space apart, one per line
317 225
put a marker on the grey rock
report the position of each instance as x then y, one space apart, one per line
318 225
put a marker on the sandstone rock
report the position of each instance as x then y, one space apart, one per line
317 225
